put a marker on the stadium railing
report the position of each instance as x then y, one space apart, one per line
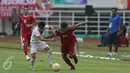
97 25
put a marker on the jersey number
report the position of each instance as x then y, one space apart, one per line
65 36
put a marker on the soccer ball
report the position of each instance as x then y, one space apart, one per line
56 67
79 40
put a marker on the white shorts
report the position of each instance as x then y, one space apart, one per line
38 45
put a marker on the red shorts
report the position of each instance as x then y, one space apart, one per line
26 38
69 49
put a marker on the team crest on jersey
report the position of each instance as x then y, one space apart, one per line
25 21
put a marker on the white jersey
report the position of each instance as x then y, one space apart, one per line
36 42
35 34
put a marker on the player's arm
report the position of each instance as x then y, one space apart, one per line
41 37
81 23
16 26
45 39
51 36
54 35
31 25
73 27
33 22
52 29
119 27
119 24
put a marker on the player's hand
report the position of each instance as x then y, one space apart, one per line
16 26
54 33
85 22
118 33
107 34
54 40
28 25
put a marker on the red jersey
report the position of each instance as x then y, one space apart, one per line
68 37
25 20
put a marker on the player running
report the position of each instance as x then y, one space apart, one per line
37 41
68 41
27 23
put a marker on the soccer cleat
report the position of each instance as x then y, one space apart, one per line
32 67
75 59
110 54
72 68
114 54
71 57
27 58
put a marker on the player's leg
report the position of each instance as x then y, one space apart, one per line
45 47
25 46
116 40
67 60
72 52
33 57
110 41
33 54
128 37
64 53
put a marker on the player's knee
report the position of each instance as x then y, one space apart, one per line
25 44
64 56
33 55
47 49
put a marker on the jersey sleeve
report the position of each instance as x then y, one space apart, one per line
37 33
119 20
73 27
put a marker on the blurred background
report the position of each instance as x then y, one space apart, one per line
53 12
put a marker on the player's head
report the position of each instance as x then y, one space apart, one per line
41 25
26 9
114 11
64 25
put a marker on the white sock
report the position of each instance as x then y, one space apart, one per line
32 62
27 57
50 56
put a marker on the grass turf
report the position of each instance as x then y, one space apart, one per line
85 65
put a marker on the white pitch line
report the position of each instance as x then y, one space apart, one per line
90 56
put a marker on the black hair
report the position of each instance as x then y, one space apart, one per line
41 24
114 9
26 7
64 24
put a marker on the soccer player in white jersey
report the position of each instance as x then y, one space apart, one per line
38 42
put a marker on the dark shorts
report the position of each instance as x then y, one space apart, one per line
69 49
113 39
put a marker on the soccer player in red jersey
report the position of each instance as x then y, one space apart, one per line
27 22
68 41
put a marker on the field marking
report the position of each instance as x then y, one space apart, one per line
85 56
90 56
84 60
92 61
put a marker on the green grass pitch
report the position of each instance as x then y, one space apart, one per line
9 49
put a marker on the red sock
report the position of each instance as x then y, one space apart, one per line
25 50
68 61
